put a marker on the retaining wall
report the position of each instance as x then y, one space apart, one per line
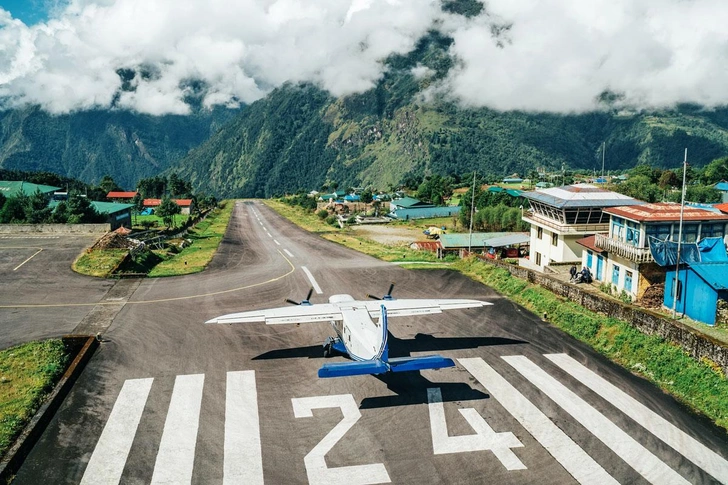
54 228
694 343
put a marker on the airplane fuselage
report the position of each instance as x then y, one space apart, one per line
363 337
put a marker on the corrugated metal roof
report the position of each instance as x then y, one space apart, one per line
121 195
426 245
13 188
110 207
663 212
589 242
721 186
580 195
460 240
409 202
507 240
714 274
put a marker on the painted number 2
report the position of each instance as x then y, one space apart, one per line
315 461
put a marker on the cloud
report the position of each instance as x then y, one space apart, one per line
547 55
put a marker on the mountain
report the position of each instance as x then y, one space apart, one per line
299 137
88 145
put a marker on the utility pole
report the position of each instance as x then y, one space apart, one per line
604 148
472 211
679 238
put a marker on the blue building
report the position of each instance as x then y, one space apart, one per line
699 287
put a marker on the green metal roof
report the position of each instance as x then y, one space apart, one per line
13 188
409 202
110 207
452 241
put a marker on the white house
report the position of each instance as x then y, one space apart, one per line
560 216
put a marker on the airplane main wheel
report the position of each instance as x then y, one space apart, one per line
327 350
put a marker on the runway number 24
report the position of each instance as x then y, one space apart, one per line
485 438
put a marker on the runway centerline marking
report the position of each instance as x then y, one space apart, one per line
162 300
176 456
290 254
571 456
312 280
109 457
632 452
34 255
680 441
276 241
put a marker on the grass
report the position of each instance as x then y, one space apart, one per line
27 374
179 220
99 263
205 236
699 384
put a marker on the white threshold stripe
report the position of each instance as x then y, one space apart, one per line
570 455
243 459
627 448
290 254
276 241
686 445
312 280
109 457
176 455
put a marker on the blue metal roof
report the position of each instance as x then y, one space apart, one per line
714 274
721 186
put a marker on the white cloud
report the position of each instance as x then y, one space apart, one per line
558 55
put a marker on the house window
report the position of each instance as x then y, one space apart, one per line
659 231
554 239
539 232
628 281
617 228
712 230
689 233
589 258
615 275
538 259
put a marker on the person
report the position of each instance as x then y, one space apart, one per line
572 271
585 275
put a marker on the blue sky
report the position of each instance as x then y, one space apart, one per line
29 11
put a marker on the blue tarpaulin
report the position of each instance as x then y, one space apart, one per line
709 249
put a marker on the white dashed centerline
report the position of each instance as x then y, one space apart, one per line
290 254
276 241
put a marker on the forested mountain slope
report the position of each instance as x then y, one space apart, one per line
90 144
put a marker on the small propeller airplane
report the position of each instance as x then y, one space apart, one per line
358 334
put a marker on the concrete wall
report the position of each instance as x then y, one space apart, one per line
695 344
54 228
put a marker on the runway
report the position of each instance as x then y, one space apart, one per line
167 399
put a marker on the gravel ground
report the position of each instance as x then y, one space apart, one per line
390 234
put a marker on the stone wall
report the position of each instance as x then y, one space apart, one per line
694 343
54 228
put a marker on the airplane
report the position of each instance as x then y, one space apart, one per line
358 334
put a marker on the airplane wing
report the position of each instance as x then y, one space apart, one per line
406 307
321 312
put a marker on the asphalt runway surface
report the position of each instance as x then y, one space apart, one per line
168 399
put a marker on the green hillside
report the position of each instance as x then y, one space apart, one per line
88 145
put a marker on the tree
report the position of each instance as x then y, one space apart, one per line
13 211
138 202
716 171
107 184
367 196
640 187
80 210
167 210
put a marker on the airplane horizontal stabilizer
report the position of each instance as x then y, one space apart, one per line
405 364
344 369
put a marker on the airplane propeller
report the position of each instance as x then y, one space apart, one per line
386 297
305 302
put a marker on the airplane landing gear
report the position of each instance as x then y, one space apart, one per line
329 346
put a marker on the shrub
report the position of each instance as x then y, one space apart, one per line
322 214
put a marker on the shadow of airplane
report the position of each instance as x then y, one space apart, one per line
409 387
422 342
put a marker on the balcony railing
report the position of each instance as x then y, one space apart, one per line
624 250
533 218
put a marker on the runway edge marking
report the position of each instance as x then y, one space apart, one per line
570 455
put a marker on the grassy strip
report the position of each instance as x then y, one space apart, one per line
701 385
27 374
206 237
99 263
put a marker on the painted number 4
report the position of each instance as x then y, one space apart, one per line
483 439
